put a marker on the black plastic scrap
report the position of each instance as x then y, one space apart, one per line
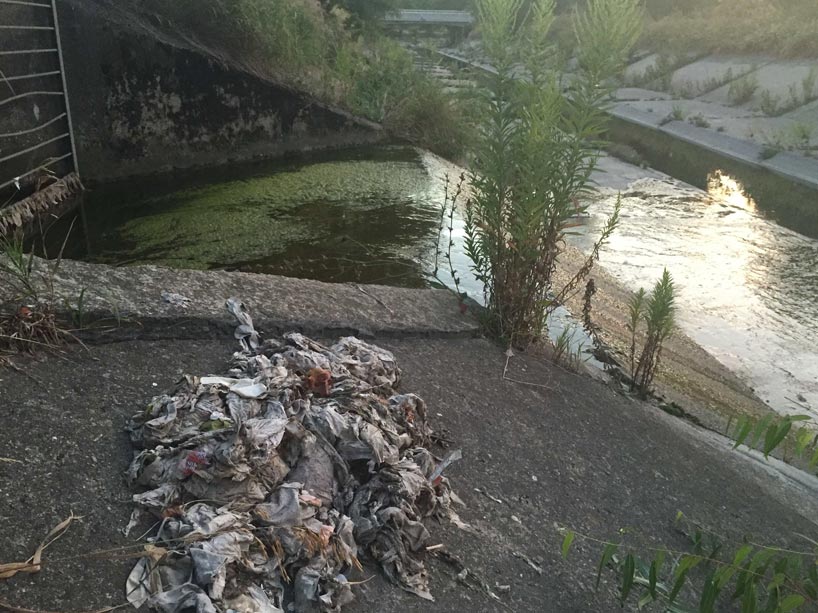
272 481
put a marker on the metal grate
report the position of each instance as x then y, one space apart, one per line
36 134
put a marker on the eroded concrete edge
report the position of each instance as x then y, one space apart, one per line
154 302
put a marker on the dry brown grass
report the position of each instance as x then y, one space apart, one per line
787 29
27 328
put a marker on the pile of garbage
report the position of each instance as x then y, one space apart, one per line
270 485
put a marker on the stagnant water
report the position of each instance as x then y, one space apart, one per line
365 215
747 286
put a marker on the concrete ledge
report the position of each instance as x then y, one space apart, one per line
632 115
728 146
137 294
796 167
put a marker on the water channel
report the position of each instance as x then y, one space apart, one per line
748 286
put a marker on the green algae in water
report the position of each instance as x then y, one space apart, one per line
366 216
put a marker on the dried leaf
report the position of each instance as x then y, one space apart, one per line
33 564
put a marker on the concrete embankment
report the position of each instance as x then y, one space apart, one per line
684 120
187 303
548 449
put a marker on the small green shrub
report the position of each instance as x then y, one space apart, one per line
535 152
714 83
374 75
769 103
28 313
751 577
799 94
363 12
318 47
699 121
280 37
687 89
16 270
660 72
376 78
676 114
770 150
803 132
808 86
741 90
636 307
658 312
562 345
430 118
747 577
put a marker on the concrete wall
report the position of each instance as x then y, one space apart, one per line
142 106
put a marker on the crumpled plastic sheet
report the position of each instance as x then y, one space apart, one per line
269 484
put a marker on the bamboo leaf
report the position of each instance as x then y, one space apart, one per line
607 556
760 560
749 601
627 577
793 601
760 428
744 426
723 576
660 561
709 595
741 583
566 543
742 554
677 586
777 582
802 439
775 435
652 578
686 563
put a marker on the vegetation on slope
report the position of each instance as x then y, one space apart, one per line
785 28
780 28
332 49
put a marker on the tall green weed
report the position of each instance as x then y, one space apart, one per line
537 148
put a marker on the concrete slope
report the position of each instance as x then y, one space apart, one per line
551 450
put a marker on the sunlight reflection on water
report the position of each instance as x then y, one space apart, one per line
747 287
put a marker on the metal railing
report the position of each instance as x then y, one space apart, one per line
34 144
430 17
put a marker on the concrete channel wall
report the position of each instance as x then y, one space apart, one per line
688 107
144 102
759 111
743 133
